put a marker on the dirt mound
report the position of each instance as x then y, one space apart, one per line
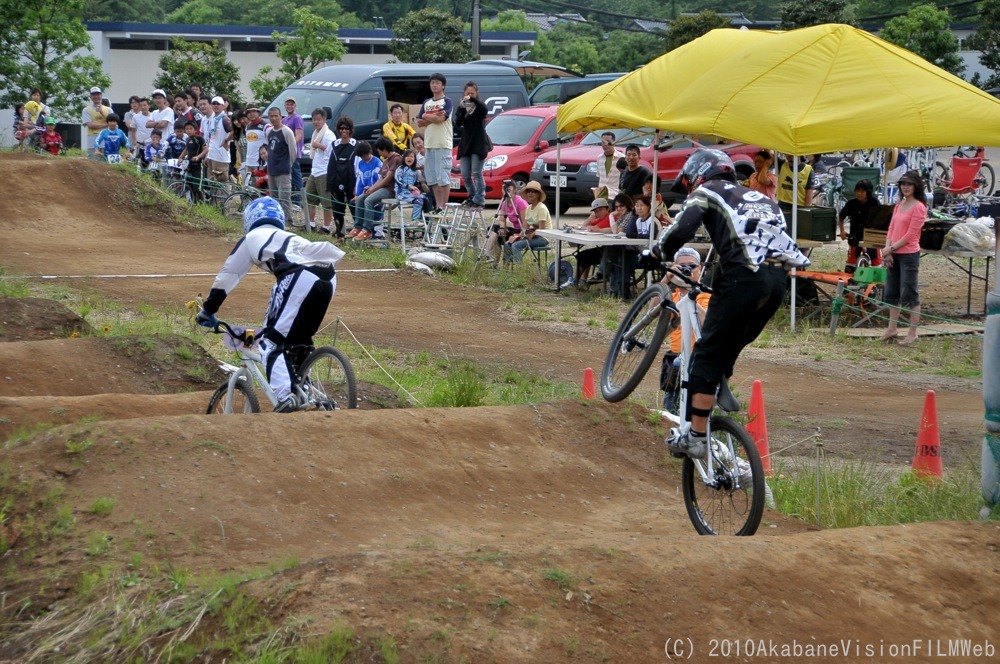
37 318
485 534
143 364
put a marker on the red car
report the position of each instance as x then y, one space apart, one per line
577 172
519 136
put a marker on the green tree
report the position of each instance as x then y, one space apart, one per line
926 31
624 51
148 11
266 12
313 43
511 20
987 41
40 39
196 62
572 45
684 29
198 12
804 13
429 35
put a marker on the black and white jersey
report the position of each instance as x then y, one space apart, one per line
277 251
746 226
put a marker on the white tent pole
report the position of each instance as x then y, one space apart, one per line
795 221
558 188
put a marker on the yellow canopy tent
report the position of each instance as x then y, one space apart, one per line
820 89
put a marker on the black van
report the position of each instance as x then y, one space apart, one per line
363 92
561 90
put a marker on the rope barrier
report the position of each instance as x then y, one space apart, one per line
839 304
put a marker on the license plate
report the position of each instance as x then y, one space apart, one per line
557 180
456 183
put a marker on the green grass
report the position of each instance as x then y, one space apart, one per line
862 493
102 506
560 577
15 287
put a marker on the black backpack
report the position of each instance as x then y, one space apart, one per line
340 176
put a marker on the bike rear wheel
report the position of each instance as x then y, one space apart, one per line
244 399
328 379
235 204
733 502
629 358
986 180
181 189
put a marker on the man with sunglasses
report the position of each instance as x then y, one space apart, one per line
608 172
340 172
220 130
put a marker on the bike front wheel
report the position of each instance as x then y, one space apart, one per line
244 399
328 379
235 204
986 180
731 502
636 344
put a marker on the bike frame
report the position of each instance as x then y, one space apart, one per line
250 369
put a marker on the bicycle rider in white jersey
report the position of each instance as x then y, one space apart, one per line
754 256
306 282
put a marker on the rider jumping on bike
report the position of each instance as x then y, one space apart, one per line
754 254
306 284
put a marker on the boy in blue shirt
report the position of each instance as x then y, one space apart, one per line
366 168
156 151
111 140
176 142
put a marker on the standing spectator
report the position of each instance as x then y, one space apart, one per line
142 126
902 256
50 140
631 179
220 129
194 153
786 184
255 129
369 202
472 149
163 116
133 104
177 141
435 118
280 155
341 171
396 130
205 108
295 122
111 140
94 119
321 147
856 211
237 143
763 179
608 173
197 92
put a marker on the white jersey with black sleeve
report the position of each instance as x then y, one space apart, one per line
276 251
746 227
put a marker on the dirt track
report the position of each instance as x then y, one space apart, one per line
414 522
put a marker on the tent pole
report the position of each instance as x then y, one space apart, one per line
656 181
558 223
795 222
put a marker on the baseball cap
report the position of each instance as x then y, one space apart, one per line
252 107
599 203
158 91
290 99
95 90
688 251
50 120
218 100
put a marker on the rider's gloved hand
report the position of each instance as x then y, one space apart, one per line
206 319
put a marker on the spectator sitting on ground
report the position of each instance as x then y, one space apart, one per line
111 140
688 261
398 131
50 140
536 217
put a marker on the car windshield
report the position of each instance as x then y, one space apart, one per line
512 129
642 137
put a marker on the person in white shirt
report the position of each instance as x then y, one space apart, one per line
220 130
94 119
256 139
163 116
316 191
142 124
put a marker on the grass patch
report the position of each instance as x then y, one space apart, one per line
560 577
102 506
861 493
11 286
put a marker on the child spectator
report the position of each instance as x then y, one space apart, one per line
407 186
33 115
660 208
398 131
177 141
111 140
50 139
194 153
260 172
156 151
366 169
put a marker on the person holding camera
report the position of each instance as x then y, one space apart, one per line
474 146
508 221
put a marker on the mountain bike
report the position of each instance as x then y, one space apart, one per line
724 493
323 378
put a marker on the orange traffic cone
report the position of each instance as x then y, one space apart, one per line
757 426
588 384
927 458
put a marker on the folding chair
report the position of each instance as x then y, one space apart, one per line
963 186
406 227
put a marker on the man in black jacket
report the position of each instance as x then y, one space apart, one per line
340 177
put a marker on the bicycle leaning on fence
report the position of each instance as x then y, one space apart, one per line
724 493
323 377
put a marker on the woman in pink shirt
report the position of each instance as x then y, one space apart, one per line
763 179
902 256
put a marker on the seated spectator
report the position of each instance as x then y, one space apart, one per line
599 221
111 140
408 185
417 142
366 173
510 220
368 207
857 210
536 217
623 261
660 212
50 140
688 261
763 178
624 211
259 173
